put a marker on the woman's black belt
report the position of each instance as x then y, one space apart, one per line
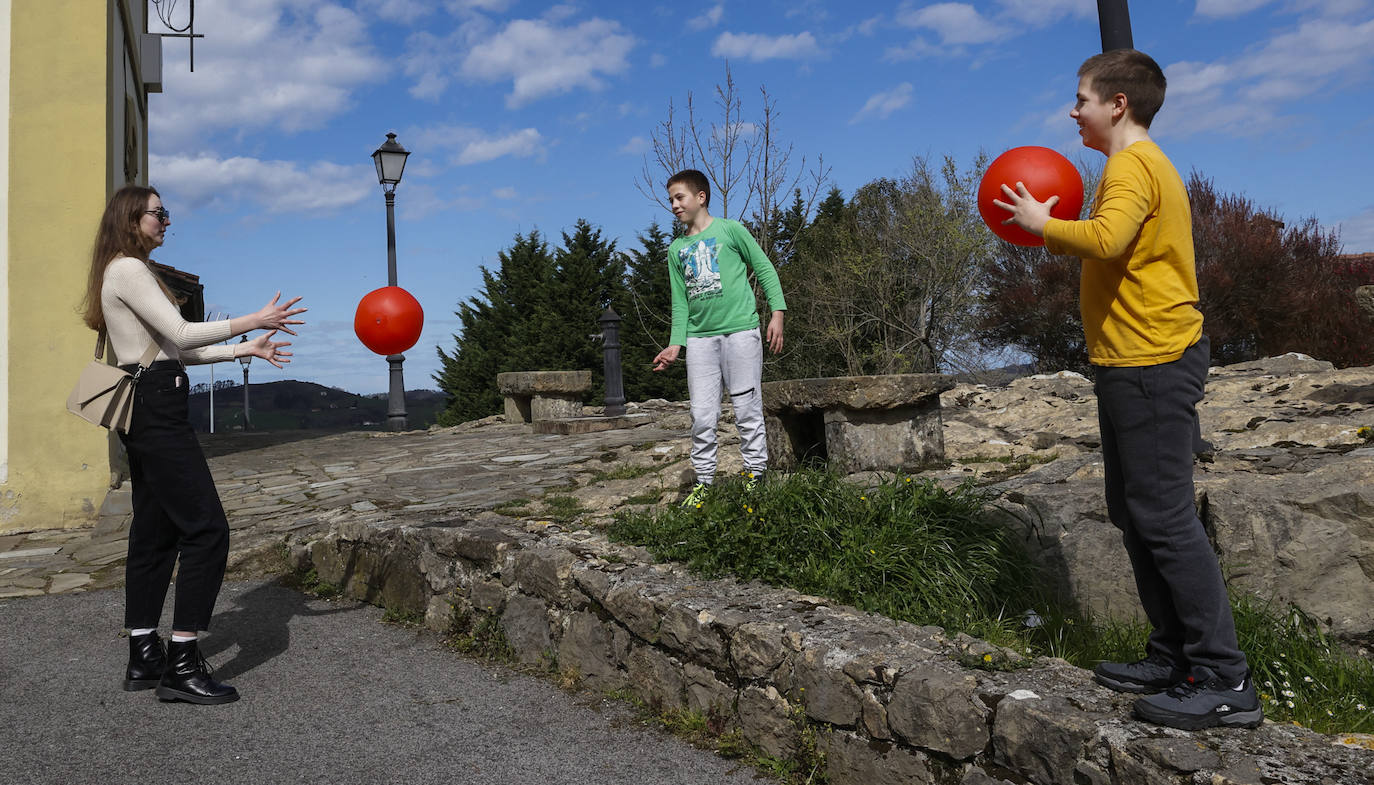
160 365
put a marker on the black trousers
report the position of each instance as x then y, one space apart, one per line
1148 417
177 512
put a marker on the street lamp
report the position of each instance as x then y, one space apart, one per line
245 359
390 159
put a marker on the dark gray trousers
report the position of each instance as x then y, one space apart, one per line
1148 417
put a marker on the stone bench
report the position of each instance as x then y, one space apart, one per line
535 396
856 423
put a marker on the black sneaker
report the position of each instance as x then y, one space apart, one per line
1155 673
1203 700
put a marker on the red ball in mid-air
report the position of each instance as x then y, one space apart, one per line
1045 173
389 320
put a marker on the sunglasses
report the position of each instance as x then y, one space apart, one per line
161 213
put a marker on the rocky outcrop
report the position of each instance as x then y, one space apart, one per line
886 701
1364 297
1284 483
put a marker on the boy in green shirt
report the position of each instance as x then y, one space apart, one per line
715 318
1138 296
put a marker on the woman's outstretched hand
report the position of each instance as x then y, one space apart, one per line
263 346
274 316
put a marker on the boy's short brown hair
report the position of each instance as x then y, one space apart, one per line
1133 74
694 180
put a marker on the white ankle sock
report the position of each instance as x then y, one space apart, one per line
183 638
142 631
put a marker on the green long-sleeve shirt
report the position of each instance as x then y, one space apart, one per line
708 273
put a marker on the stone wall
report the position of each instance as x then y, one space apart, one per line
889 701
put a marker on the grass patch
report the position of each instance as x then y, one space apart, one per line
624 472
1300 672
650 497
907 549
310 583
513 508
1012 465
403 618
913 551
715 731
479 635
562 509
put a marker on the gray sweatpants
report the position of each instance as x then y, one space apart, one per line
1148 417
737 359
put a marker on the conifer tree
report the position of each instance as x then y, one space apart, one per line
500 331
647 319
588 278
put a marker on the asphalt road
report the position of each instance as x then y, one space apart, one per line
330 695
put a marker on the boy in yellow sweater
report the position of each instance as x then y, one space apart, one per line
1138 299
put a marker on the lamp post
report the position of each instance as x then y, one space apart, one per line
390 159
1114 20
244 360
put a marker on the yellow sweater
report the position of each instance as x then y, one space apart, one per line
1138 287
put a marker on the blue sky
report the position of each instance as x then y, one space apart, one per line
528 115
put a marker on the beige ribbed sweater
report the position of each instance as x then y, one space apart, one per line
136 309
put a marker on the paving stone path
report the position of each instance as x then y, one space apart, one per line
287 491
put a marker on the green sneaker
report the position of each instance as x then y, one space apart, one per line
697 494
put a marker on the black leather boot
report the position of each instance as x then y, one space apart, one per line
187 677
147 661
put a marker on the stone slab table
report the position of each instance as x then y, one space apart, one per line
534 396
856 423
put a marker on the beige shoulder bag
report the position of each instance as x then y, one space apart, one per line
104 394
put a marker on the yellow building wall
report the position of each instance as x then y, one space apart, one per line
62 82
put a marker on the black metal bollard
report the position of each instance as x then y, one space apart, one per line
615 384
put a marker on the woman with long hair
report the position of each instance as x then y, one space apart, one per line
176 510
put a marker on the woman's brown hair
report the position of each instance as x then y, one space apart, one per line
118 235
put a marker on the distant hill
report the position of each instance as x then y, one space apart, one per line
293 405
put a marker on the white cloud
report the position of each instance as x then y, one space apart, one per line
275 186
955 23
813 10
636 145
711 18
1357 232
1041 13
658 60
466 145
869 26
917 49
422 199
521 144
1267 79
756 47
1225 8
287 64
505 193
541 58
402 11
460 7
883 104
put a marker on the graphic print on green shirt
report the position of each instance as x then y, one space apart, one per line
701 268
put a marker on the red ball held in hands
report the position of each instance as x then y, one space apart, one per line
389 320
1045 173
